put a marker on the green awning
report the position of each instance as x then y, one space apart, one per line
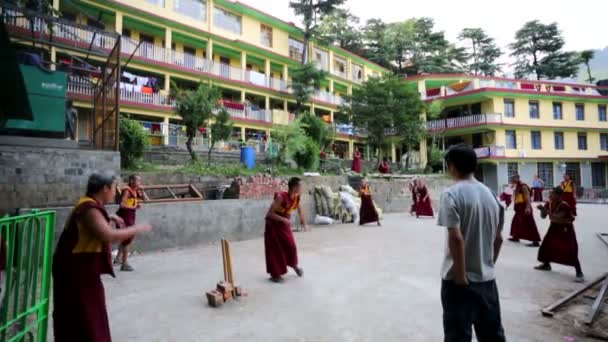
131 23
189 40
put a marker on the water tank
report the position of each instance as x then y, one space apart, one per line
248 156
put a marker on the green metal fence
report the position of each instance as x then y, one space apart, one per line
27 241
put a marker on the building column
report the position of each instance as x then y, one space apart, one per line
285 106
422 88
330 61
209 51
349 90
393 153
351 148
267 71
331 86
423 156
118 22
165 130
243 97
243 66
56 5
169 5
168 42
331 116
267 103
243 134
285 73
53 58
167 87
210 7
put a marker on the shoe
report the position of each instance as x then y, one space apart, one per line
299 271
543 267
580 278
513 239
533 244
126 268
276 279
116 261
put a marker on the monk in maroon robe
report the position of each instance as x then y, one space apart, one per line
279 243
423 206
569 195
81 257
357 161
384 166
129 204
523 226
367 213
559 245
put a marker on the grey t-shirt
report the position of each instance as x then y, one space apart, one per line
470 206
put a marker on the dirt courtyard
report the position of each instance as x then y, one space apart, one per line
360 284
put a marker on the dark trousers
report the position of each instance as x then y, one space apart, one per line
474 305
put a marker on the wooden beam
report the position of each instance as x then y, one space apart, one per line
599 301
171 192
549 311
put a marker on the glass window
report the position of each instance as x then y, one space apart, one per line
558 137
226 20
160 3
580 111
296 49
601 112
582 141
557 111
266 35
509 108
534 112
604 141
512 170
545 172
598 175
357 73
511 139
536 140
196 9
321 58
574 170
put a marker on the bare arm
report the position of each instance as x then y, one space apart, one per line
456 246
301 215
102 229
498 240
274 207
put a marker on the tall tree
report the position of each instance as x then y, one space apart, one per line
586 57
340 28
481 52
304 80
538 50
221 129
376 47
384 103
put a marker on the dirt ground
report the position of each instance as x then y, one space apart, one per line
360 284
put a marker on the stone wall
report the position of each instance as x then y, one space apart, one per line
38 176
177 156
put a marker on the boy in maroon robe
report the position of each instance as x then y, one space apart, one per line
367 213
279 244
559 245
129 203
569 196
356 167
81 257
384 166
423 206
523 226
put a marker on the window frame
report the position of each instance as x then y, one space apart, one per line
507 134
510 174
187 11
547 175
561 110
563 142
530 103
578 106
540 140
599 113
293 48
268 30
583 135
603 141
512 103
228 14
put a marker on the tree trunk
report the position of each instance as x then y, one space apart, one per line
209 153
189 147
589 79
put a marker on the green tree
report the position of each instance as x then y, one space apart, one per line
221 129
586 57
195 107
133 142
305 79
319 131
482 52
289 140
384 103
376 45
538 50
340 28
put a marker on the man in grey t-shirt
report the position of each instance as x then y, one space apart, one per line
474 219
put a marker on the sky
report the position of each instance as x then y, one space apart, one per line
583 23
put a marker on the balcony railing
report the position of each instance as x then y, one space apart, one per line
324 96
490 152
463 122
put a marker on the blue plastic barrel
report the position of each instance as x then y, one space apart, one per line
248 156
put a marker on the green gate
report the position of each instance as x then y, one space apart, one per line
26 246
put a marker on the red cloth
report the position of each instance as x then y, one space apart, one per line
523 226
423 205
368 212
528 86
433 92
279 243
384 167
357 162
538 194
569 198
507 198
147 90
559 245
79 310
234 105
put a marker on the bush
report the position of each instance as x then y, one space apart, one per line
134 141
307 157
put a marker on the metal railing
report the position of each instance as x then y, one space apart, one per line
27 242
327 97
463 121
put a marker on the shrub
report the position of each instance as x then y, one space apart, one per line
134 141
307 157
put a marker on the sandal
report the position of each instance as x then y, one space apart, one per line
276 279
543 267
299 271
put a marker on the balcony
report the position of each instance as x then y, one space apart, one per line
463 122
327 97
490 152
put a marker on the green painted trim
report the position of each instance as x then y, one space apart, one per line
485 128
188 40
133 23
483 95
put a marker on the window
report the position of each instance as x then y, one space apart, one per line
598 175
604 141
533 108
558 138
196 9
226 20
357 72
296 48
321 58
574 170
601 112
580 111
536 140
266 35
340 66
69 16
557 111
511 139
582 141
509 108
512 170
545 172
126 32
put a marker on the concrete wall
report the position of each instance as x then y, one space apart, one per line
490 177
502 174
175 156
527 171
586 177
39 176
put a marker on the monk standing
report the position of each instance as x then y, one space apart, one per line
368 212
523 226
568 193
279 243
559 245
384 166
414 191
423 206
81 257
129 203
357 161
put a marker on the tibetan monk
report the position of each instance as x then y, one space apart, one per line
129 203
423 205
559 245
279 243
384 166
523 226
569 194
368 212
81 257
413 187
357 161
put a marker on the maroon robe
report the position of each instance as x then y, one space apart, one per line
568 195
384 167
79 304
279 243
357 162
523 226
507 198
423 205
368 212
414 200
128 214
538 194
559 245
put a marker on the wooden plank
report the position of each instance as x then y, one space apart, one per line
549 311
224 260
599 301
174 200
171 192
194 190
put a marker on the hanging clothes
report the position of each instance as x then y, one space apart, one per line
129 76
